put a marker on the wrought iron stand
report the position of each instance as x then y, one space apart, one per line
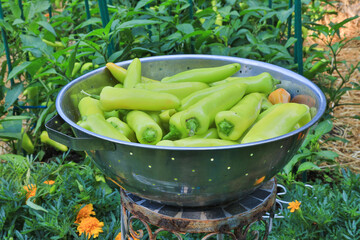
232 219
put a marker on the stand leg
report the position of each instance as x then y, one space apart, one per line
124 223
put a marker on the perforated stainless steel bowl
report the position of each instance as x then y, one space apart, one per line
184 176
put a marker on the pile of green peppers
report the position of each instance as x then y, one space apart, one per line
201 107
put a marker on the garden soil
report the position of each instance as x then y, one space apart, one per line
344 126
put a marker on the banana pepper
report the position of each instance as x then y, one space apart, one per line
206 75
263 83
136 99
198 117
147 131
281 120
231 124
180 90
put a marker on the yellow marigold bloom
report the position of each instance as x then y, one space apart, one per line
294 206
49 182
31 190
85 212
91 226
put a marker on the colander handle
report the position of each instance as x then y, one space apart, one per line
75 143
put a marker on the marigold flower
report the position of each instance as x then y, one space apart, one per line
91 226
31 190
294 206
85 212
49 182
118 237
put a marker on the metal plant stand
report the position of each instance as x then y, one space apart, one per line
232 219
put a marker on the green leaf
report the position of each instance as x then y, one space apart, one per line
142 3
71 61
251 38
327 154
91 21
11 118
185 28
11 129
36 64
307 166
48 27
34 206
13 94
137 23
284 14
18 69
295 159
15 10
341 24
323 127
290 42
17 160
33 44
144 50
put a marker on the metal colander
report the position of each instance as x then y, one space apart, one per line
179 176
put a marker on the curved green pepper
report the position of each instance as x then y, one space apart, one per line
198 117
147 131
88 106
86 67
32 95
44 138
139 99
26 143
210 133
267 111
165 116
206 75
133 74
96 123
122 127
119 85
176 130
281 120
233 123
155 115
196 142
198 95
263 83
266 104
180 90
119 73
114 113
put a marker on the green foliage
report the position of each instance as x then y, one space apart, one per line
328 211
52 211
310 154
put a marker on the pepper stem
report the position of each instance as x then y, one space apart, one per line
91 95
173 134
149 135
226 127
192 124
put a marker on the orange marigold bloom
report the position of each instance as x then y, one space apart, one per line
118 237
294 206
31 190
49 182
91 226
85 212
